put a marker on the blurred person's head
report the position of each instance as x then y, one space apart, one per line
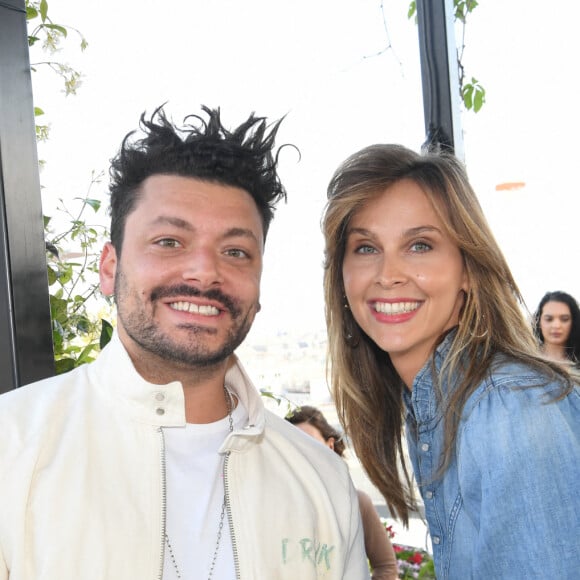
313 422
557 324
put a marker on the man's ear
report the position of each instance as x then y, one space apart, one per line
108 269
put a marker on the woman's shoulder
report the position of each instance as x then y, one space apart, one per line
520 421
512 385
517 401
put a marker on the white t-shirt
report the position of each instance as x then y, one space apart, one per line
195 495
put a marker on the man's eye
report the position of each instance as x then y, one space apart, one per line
168 243
237 253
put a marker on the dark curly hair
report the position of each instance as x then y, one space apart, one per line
203 149
573 342
313 416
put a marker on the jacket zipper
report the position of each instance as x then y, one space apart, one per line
163 500
229 512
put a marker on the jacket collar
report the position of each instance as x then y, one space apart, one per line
116 378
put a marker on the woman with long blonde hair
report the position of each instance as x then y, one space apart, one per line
427 334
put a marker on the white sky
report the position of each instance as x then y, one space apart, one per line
312 60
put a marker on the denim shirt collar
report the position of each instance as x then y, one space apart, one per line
421 402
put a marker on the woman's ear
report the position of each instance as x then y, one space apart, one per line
330 443
465 283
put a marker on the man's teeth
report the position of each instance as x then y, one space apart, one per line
396 307
204 309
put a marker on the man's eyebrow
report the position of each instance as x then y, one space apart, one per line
234 232
240 233
173 221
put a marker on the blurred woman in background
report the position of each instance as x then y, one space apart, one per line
557 327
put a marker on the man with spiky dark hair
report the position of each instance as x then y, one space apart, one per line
159 460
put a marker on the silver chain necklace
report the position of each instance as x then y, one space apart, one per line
230 406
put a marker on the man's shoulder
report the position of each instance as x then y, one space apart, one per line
41 394
283 427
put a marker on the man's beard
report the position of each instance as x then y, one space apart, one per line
189 350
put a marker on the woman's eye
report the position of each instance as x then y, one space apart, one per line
420 247
364 249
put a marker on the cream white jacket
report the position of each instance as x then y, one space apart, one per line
82 486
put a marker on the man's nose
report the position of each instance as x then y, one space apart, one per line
202 266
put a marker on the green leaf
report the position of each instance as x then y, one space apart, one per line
31 13
52 277
460 12
38 112
65 275
478 100
83 325
94 203
43 9
61 29
84 356
270 395
106 333
57 340
64 365
468 96
71 349
412 9
46 220
58 309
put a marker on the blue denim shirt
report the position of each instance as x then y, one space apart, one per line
508 505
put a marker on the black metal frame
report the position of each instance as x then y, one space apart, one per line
26 352
440 76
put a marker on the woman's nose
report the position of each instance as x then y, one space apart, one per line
390 273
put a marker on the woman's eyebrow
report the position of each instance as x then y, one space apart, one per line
407 233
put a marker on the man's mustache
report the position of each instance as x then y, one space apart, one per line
183 290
